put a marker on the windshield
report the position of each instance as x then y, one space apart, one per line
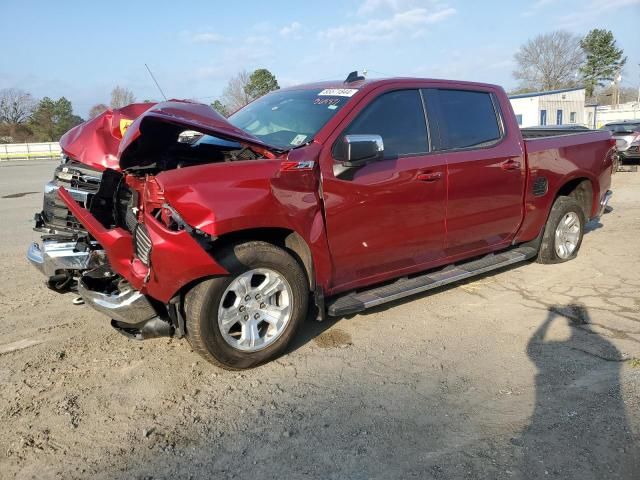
290 118
622 127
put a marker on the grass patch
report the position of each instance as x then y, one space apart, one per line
634 363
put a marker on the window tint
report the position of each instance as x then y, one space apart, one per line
398 118
467 119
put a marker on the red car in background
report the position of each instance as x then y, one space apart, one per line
333 197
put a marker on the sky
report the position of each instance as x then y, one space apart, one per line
82 49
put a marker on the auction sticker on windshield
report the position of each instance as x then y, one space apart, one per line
338 92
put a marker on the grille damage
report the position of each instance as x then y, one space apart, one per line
142 244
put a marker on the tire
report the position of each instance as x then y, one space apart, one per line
563 208
221 298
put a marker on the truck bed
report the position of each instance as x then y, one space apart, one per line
534 132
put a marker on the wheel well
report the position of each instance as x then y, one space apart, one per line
284 238
582 190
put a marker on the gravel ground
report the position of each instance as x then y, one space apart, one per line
533 372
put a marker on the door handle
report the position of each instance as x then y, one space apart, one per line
510 165
429 176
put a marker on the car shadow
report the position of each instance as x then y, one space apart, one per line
577 377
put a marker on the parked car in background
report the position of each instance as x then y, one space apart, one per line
627 135
334 196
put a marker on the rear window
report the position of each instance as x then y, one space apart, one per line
466 119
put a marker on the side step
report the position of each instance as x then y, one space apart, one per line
358 301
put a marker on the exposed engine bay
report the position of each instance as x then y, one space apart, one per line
114 197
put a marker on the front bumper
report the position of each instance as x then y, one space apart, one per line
55 257
631 152
131 312
126 305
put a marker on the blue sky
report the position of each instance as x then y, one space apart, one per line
82 49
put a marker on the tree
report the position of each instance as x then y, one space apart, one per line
121 97
234 95
261 82
605 95
16 107
220 107
550 61
604 59
52 118
97 110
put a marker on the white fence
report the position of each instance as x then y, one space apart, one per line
27 151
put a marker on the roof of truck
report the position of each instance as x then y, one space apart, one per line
377 82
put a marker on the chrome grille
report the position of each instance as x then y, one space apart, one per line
142 244
82 182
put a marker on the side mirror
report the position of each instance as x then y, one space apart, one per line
358 150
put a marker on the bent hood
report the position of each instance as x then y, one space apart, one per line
95 142
156 129
133 135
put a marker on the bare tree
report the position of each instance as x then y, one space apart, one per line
16 108
121 97
549 61
235 95
97 110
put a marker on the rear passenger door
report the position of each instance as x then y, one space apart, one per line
486 173
386 217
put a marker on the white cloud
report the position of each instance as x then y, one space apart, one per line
206 37
407 22
593 11
291 30
374 6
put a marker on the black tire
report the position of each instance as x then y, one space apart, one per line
563 205
202 302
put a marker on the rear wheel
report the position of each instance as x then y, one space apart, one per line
247 318
563 232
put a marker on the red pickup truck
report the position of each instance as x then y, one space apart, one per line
327 198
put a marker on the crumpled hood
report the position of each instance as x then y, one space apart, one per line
159 126
122 138
95 142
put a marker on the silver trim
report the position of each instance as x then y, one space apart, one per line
604 202
54 256
127 306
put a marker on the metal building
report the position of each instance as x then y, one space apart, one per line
554 107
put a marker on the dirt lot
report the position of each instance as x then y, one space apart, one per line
530 373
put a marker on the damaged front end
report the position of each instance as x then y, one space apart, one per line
133 252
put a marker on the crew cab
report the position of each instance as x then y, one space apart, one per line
317 200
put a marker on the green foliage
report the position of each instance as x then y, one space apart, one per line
52 118
261 82
604 60
219 107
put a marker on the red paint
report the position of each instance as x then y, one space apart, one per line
392 218
95 142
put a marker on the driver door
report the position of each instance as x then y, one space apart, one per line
385 218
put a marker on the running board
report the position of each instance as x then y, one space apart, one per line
358 301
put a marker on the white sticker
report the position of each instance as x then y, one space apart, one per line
332 107
298 139
338 92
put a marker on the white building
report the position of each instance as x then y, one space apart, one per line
555 107
599 115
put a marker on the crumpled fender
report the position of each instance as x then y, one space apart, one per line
176 258
234 196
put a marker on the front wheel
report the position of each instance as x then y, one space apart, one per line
563 231
247 318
